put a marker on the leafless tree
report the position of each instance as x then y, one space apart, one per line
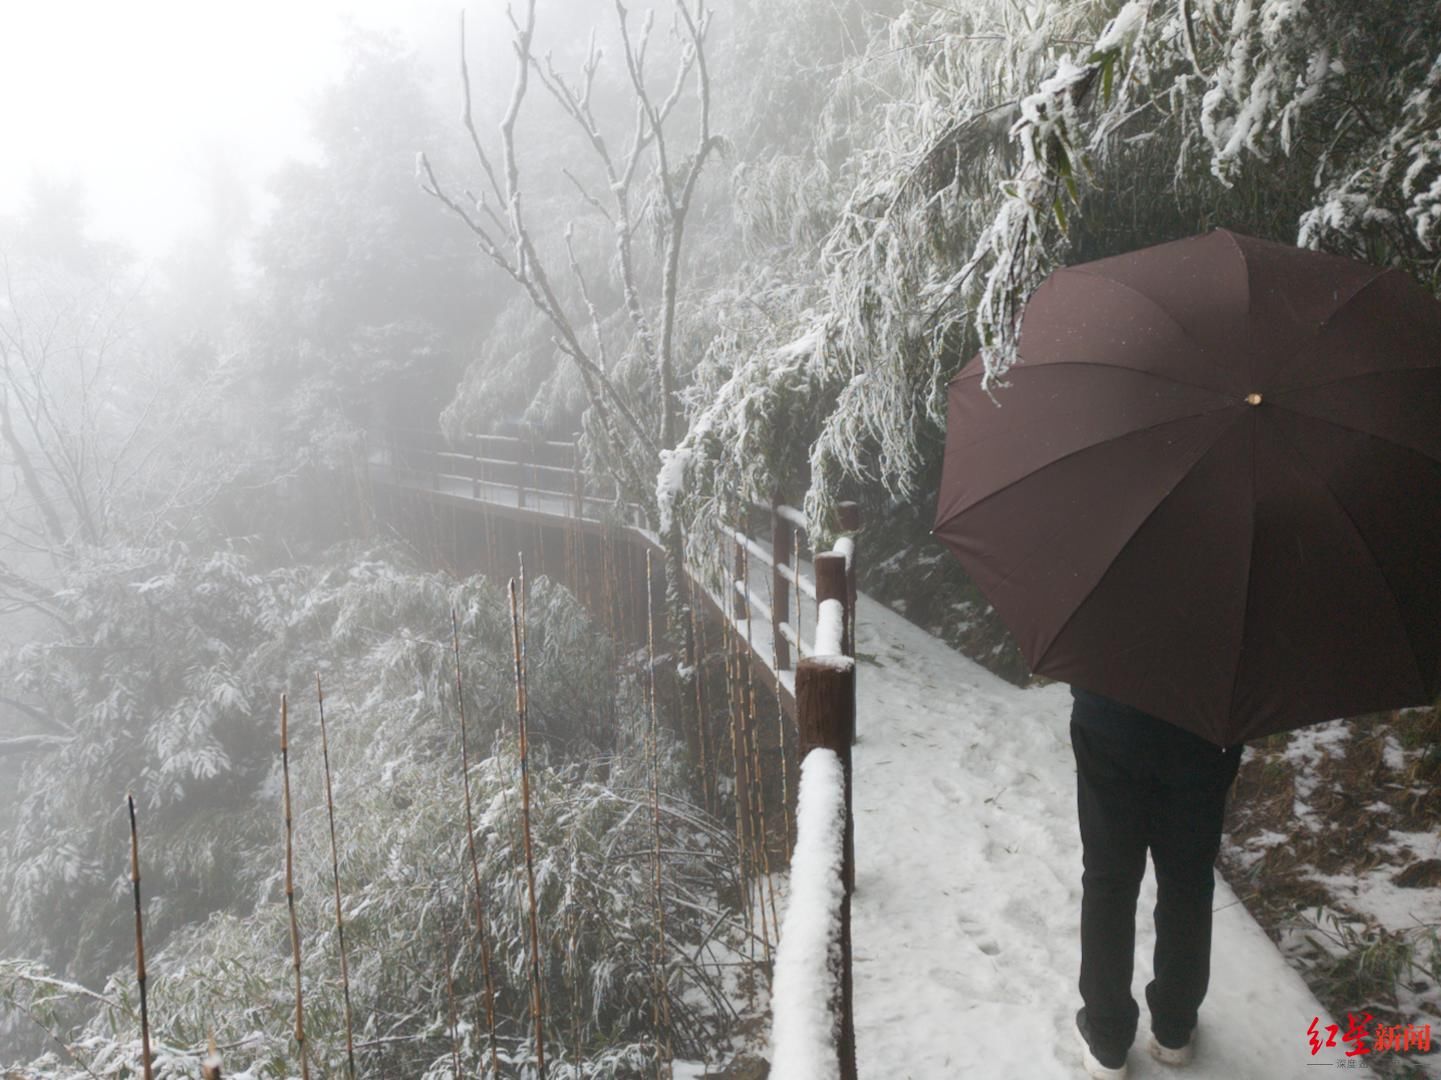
498 216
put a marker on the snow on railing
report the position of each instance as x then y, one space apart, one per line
804 1032
813 1025
782 557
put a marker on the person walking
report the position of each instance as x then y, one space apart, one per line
1144 785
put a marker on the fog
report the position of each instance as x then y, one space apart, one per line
141 103
310 339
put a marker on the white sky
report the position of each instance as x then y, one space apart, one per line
138 98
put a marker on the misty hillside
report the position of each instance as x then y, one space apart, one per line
412 375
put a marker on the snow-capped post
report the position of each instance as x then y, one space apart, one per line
139 939
832 721
849 516
780 587
825 718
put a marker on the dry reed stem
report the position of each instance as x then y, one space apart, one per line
210 1065
140 976
537 1001
335 878
290 888
480 929
661 1013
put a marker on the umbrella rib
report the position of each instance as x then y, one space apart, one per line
1356 529
1065 364
1433 367
1285 369
1146 297
1082 449
1040 660
1359 431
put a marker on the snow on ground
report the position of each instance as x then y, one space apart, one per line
968 890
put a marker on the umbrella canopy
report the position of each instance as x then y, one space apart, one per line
1210 487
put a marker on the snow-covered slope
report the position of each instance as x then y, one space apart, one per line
968 878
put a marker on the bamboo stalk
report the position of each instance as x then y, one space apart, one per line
537 1001
450 1001
140 976
697 634
335 877
290 889
661 1012
480 929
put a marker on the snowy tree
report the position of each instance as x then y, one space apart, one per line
998 141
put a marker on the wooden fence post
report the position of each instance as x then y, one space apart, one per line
739 607
830 578
576 481
825 717
849 516
520 473
781 537
831 585
475 466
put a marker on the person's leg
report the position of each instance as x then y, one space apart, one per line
1111 805
1185 837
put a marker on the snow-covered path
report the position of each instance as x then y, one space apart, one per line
967 905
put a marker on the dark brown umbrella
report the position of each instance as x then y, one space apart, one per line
1212 486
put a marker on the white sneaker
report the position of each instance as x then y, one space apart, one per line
1174 1055
1093 1066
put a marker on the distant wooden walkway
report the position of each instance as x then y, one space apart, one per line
771 603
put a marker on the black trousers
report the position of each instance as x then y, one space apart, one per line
1163 789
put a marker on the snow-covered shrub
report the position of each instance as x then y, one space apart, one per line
381 637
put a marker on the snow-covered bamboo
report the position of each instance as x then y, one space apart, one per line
478 895
537 995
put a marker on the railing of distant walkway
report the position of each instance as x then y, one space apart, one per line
546 478
815 679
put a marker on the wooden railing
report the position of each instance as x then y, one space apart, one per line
528 473
813 666
788 582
